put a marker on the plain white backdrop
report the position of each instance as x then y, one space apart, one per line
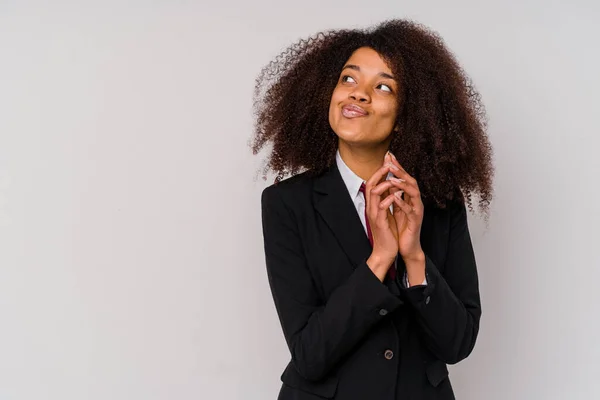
131 259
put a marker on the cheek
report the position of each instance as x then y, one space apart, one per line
336 98
391 110
387 117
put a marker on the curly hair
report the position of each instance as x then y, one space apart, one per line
441 142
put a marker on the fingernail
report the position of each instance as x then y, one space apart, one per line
392 166
398 194
393 178
393 156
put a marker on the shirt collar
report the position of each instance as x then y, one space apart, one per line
352 181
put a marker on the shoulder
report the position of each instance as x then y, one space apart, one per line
287 200
290 190
453 212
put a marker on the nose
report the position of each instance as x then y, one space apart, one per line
360 95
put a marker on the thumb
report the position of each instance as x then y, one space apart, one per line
399 215
393 224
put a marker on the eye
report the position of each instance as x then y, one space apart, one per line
387 88
346 77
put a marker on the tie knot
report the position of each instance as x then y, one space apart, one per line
363 187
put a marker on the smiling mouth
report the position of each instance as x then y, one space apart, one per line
353 111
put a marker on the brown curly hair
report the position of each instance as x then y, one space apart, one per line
442 140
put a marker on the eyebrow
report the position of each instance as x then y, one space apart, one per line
357 68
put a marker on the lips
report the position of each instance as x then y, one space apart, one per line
353 111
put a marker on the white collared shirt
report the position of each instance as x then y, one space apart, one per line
353 183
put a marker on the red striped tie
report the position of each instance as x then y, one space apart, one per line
392 270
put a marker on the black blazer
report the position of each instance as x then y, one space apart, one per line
350 335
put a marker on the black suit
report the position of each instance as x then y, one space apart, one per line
350 335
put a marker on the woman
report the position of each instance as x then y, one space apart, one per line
374 300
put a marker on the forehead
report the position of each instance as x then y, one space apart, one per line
369 59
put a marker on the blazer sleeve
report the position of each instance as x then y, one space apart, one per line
318 332
448 309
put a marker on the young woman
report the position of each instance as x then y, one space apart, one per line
367 247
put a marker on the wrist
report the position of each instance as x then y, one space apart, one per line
415 269
414 260
379 266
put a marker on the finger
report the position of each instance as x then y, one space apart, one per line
393 190
406 208
395 161
387 202
388 159
400 192
392 223
376 194
383 210
402 174
396 170
409 189
412 190
373 201
399 215
378 176
395 186
382 187
399 170
394 164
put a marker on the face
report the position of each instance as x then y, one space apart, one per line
364 103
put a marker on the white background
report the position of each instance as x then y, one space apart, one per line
131 259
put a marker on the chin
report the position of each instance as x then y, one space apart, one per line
348 131
357 138
352 137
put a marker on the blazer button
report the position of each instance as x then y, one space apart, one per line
383 312
388 354
427 300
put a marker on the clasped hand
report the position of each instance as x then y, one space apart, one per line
398 231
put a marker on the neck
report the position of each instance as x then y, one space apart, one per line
363 161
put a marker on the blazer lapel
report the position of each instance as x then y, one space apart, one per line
333 202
